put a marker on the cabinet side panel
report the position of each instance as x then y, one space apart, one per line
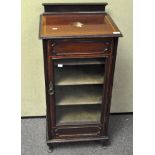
110 84
105 94
50 108
48 123
51 96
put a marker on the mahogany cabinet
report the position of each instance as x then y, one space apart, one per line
79 46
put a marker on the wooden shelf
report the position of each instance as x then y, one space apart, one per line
78 95
76 75
94 61
83 113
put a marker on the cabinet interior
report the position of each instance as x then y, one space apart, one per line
79 73
78 113
79 85
78 95
79 61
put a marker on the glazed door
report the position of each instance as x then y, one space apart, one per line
79 86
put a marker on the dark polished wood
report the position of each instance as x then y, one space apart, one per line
82 39
78 25
80 47
73 7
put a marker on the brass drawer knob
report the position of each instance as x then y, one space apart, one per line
106 49
53 44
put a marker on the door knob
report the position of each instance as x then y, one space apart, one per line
51 89
106 49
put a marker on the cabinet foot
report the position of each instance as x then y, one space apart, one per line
105 143
50 148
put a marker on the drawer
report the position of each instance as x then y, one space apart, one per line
71 132
80 47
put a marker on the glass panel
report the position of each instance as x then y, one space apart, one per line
78 89
74 95
79 61
78 113
78 75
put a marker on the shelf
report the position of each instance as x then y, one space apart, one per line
78 95
77 75
90 61
84 113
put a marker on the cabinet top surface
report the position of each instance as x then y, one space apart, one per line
76 25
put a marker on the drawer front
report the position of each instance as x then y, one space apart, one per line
77 132
80 47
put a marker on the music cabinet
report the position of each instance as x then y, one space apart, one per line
79 47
